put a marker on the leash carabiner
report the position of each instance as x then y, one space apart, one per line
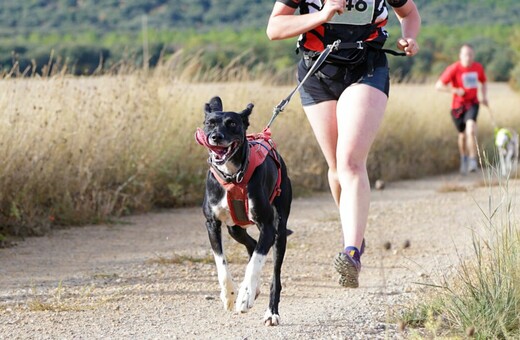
323 55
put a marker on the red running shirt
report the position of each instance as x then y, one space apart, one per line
466 78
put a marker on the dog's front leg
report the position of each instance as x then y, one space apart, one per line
503 165
250 286
227 287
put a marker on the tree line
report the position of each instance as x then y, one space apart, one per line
89 35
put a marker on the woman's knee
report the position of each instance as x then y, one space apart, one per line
352 167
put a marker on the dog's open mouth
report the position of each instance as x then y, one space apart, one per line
220 154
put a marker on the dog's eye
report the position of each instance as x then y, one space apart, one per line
230 124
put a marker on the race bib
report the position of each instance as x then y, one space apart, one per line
357 12
470 80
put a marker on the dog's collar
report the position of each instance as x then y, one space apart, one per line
238 176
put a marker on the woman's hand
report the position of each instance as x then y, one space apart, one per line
284 24
408 45
331 7
410 20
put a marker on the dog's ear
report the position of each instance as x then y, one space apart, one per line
245 114
214 105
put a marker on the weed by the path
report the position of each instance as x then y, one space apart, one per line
62 300
179 259
452 187
482 298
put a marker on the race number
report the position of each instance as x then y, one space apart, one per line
357 12
470 80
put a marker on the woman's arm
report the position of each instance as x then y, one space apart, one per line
284 24
410 20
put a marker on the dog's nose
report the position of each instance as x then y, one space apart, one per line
216 137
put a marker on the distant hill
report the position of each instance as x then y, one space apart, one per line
469 12
82 33
23 17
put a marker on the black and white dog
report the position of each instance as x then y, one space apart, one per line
507 143
268 196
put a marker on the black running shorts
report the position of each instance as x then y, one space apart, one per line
461 116
329 82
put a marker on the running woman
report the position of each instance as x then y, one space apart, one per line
345 99
462 79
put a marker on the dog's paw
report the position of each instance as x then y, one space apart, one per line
228 300
228 296
246 298
271 319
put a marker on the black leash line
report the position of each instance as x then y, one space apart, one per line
281 106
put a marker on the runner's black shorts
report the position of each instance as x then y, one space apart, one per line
461 115
329 82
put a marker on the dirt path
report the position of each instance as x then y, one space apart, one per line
154 277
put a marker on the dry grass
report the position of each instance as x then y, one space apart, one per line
180 259
418 138
452 187
63 300
235 253
81 150
481 299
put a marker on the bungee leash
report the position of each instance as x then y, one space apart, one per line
281 106
492 116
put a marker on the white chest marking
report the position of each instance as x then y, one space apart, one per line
222 212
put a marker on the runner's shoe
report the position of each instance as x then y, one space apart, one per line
472 164
463 165
348 265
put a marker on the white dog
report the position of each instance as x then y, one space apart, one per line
506 141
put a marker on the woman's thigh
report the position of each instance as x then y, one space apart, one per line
322 118
359 115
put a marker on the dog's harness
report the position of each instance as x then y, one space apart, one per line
260 146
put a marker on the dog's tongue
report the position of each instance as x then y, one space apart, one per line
202 139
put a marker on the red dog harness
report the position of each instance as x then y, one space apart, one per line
260 146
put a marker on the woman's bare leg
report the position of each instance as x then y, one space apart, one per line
360 111
322 118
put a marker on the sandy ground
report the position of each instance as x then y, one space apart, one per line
153 276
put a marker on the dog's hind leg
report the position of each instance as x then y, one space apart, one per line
272 317
227 287
240 235
283 205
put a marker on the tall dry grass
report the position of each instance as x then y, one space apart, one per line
481 299
80 150
418 137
